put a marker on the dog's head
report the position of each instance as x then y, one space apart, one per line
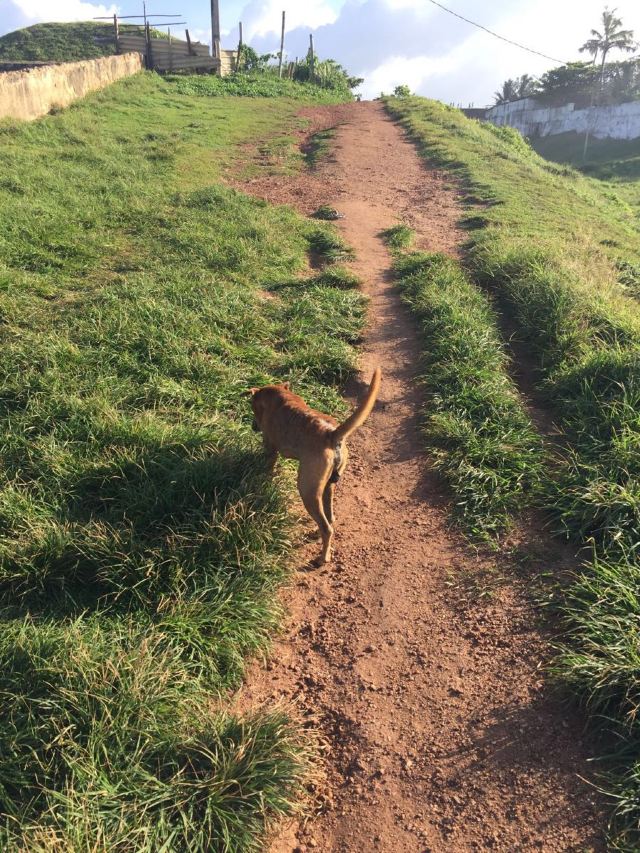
259 400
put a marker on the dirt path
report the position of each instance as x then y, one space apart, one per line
420 665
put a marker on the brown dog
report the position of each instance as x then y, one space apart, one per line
294 430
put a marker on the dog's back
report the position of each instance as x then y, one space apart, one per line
289 423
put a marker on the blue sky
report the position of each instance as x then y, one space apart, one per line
386 41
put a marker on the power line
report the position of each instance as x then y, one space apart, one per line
497 35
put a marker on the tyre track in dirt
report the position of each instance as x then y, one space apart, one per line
419 661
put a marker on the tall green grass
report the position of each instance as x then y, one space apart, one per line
476 429
551 245
142 542
587 348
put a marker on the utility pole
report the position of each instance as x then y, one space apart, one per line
587 135
239 57
312 56
281 46
215 28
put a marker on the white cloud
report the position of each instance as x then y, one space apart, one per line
398 70
15 14
264 17
201 35
62 10
416 5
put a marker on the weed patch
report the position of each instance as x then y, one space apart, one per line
328 246
258 85
318 147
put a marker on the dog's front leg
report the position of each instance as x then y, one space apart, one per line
271 454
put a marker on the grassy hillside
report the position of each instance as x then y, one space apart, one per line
142 541
609 160
60 42
560 255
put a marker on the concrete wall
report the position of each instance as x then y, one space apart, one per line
228 60
27 95
620 121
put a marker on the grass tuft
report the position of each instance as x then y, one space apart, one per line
329 246
475 426
399 236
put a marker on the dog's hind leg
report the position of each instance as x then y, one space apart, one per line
313 505
313 476
330 488
327 501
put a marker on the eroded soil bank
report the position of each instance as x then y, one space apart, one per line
419 660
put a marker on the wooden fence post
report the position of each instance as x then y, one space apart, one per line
215 28
281 46
170 50
190 49
147 30
312 56
116 33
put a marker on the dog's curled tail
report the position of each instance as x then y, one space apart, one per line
361 413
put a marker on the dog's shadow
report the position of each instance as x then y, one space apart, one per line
158 527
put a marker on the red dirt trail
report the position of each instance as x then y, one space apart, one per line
418 658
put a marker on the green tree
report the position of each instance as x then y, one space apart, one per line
250 60
327 73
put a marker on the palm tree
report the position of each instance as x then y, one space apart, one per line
509 92
612 37
513 90
527 86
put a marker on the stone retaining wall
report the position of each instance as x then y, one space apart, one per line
27 95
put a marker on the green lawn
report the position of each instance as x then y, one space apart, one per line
142 542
